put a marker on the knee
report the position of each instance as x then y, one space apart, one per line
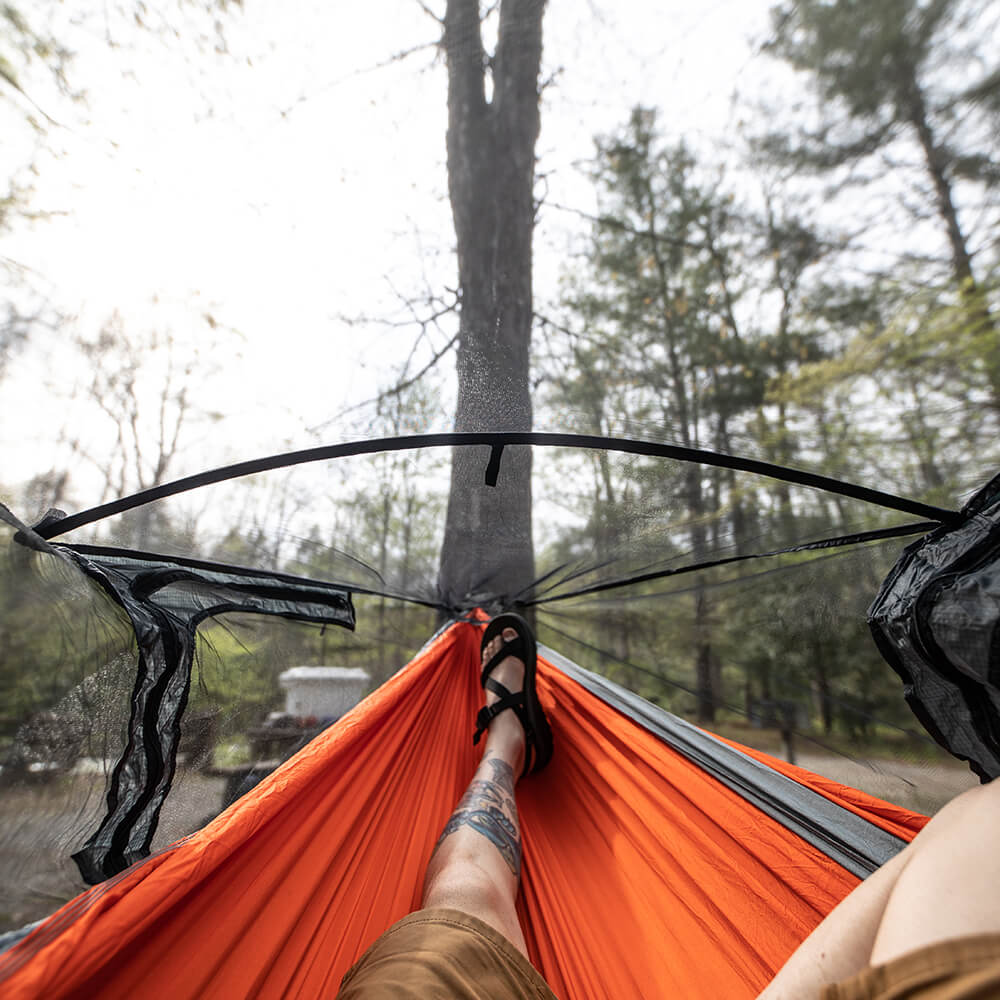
468 889
474 892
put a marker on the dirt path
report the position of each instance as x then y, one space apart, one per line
924 788
41 825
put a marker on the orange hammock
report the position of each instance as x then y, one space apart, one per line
643 875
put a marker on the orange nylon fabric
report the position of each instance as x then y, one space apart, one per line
643 876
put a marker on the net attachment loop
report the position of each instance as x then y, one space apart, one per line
493 469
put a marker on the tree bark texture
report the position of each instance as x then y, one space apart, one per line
487 556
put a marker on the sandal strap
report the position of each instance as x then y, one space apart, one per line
489 712
491 684
512 647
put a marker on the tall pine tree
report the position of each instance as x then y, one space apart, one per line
902 79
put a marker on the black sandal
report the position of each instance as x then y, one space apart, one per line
525 703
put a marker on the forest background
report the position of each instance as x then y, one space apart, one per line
813 282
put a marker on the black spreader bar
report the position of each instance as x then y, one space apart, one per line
496 440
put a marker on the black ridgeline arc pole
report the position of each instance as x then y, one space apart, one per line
496 440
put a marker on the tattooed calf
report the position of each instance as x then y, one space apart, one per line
488 807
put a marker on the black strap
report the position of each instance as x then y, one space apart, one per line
489 712
493 469
507 699
511 647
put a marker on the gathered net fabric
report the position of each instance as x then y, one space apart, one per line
643 874
98 724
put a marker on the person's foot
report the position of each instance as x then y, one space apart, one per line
505 735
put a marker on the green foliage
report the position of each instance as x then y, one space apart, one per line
66 662
892 82
924 371
874 68
861 54
863 380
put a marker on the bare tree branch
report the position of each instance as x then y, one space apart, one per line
363 71
429 12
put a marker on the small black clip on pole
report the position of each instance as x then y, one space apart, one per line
493 469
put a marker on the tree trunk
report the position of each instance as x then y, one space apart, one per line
487 556
821 681
914 107
383 567
707 693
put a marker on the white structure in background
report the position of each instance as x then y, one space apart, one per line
323 692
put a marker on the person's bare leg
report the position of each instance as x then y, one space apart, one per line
841 945
941 886
949 886
476 865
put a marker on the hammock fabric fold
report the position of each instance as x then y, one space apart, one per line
643 875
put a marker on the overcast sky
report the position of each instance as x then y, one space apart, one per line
298 178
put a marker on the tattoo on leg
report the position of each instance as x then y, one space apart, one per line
489 808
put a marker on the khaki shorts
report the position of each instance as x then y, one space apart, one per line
439 953
962 969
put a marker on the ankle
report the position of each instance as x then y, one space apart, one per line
505 739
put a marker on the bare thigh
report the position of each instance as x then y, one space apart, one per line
950 885
942 886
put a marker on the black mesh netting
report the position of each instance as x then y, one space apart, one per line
730 598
